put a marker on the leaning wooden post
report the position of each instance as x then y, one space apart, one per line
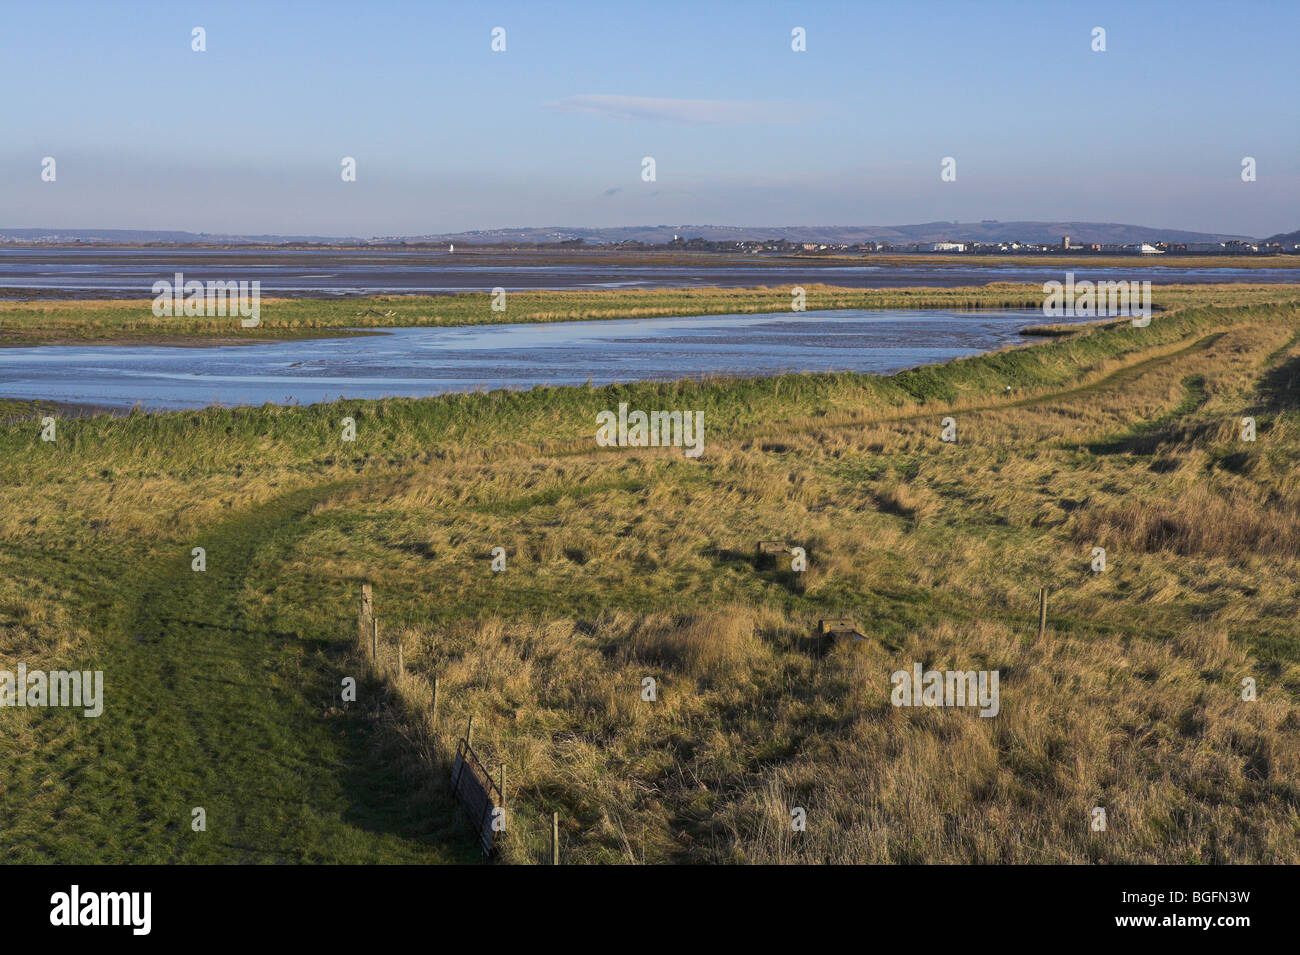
366 611
1042 612
401 660
555 838
374 641
469 733
502 785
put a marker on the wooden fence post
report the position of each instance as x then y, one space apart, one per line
374 640
1042 612
555 838
366 611
469 733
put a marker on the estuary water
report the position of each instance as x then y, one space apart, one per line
101 272
416 362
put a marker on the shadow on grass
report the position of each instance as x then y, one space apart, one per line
392 789
1148 437
1279 389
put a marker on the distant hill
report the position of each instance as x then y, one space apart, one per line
1285 238
985 231
146 236
988 230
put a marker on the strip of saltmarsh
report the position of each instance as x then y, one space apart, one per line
52 322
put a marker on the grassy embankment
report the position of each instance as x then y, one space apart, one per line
222 686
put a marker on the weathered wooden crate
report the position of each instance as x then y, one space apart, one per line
474 787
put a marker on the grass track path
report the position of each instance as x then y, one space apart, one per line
206 706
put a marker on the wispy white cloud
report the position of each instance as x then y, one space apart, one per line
695 111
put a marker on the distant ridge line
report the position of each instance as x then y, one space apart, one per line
988 230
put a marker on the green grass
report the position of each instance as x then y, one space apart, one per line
209 705
222 686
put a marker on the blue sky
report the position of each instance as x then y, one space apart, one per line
448 135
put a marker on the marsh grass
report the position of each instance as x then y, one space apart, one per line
627 564
55 321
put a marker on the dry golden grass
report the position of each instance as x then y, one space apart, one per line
1133 703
